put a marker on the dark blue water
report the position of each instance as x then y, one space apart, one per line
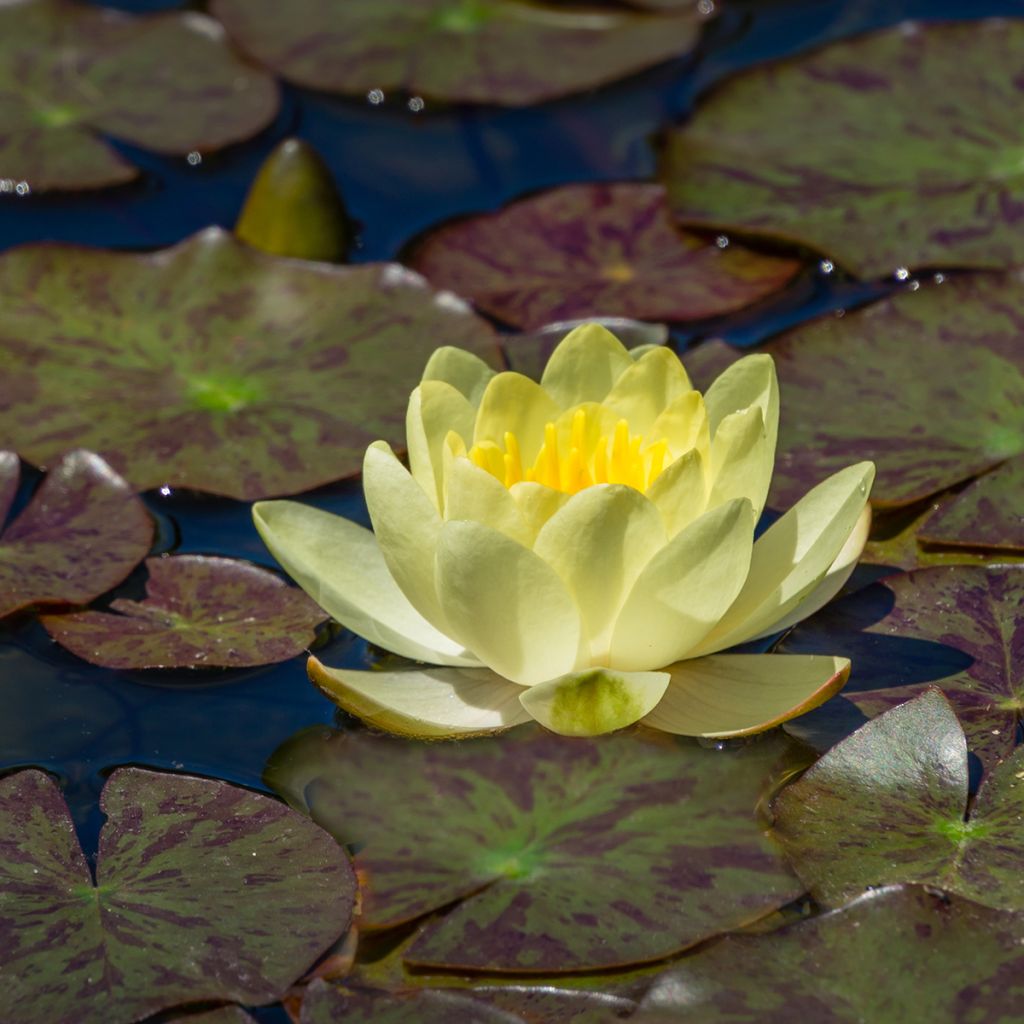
400 172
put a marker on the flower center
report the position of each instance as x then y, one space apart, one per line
571 461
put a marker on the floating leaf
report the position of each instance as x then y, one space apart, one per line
889 804
214 366
585 250
956 626
199 612
909 173
293 207
82 533
559 854
203 891
895 954
480 51
70 74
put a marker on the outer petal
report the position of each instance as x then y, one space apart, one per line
740 694
741 462
684 424
595 701
406 525
516 404
749 381
685 589
463 370
599 542
680 492
340 566
507 602
793 555
427 703
435 408
585 365
647 387
538 503
472 493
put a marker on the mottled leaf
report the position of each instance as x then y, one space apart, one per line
481 51
199 612
71 74
594 250
910 172
898 954
956 626
889 805
212 366
293 207
560 854
82 533
203 892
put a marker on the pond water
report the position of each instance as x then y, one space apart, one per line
400 172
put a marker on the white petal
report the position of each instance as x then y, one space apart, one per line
747 382
463 370
741 462
647 388
427 703
585 365
435 409
680 491
472 493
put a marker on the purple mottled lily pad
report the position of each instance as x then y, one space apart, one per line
936 181
82 533
889 805
480 51
212 366
897 954
203 892
199 612
71 74
559 854
958 627
594 250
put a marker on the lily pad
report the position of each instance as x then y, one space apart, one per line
890 804
909 174
479 51
897 954
956 626
82 533
585 250
215 367
71 74
199 612
203 891
559 854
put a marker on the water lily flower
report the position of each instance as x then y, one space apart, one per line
578 551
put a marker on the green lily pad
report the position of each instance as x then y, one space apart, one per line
585 250
910 174
480 51
889 804
957 627
203 892
216 367
559 854
82 533
897 954
199 612
166 82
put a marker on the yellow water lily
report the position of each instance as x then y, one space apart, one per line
578 551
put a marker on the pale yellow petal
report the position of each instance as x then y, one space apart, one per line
741 463
740 694
339 564
515 404
793 555
749 381
584 366
599 542
684 424
425 703
680 492
647 388
594 701
507 602
463 370
435 409
406 525
685 589
472 493
537 503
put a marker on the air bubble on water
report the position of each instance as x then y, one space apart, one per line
826 266
375 96
195 158
6 184
901 274
165 491
416 104
23 188
722 241
939 278
840 313
914 285
705 7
